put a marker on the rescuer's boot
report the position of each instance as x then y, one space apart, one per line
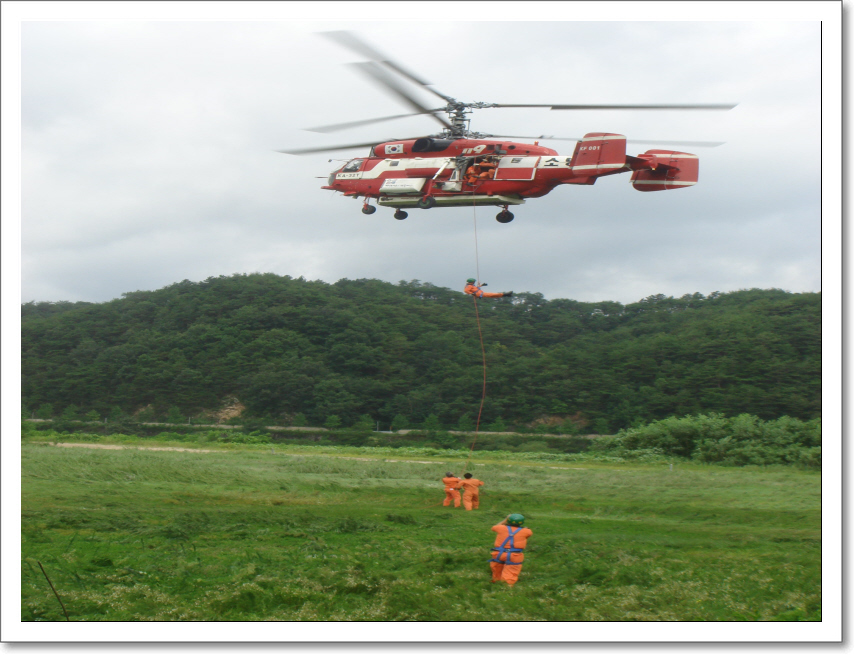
508 294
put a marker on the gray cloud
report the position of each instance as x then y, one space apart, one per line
147 155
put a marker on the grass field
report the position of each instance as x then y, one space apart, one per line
259 533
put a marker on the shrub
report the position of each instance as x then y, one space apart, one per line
534 447
364 423
738 441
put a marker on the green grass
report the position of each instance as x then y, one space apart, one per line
337 534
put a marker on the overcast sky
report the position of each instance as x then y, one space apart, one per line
148 149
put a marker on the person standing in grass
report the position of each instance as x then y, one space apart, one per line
511 538
470 491
452 489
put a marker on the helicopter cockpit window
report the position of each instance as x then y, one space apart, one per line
352 166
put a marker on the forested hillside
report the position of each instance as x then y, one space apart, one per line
285 346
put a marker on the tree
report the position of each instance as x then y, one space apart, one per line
466 424
70 413
601 426
299 420
497 426
333 421
432 423
174 415
116 413
365 423
45 411
287 346
92 415
399 423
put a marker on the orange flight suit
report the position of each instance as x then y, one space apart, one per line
488 170
472 290
507 552
479 172
472 175
470 493
452 491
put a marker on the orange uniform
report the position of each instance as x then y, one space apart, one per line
488 170
452 491
476 291
472 174
470 493
484 170
507 552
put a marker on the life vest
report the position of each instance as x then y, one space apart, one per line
508 548
472 290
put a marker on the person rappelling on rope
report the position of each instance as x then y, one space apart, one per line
508 556
474 289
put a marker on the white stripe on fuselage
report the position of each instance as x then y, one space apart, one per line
596 166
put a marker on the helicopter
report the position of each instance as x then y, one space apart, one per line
459 167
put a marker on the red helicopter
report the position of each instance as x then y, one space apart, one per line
459 167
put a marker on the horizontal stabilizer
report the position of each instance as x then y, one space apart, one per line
662 170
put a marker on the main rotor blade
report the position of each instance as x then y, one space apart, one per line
351 41
368 121
308 151
693 144
689 106
543 137
376 73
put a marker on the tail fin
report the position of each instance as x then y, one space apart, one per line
599 153
661 170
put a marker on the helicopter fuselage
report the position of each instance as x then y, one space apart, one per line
434 171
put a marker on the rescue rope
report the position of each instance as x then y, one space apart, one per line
481 338
475 226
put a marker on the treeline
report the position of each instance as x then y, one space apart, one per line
297 351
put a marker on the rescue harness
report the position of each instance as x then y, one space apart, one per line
504 548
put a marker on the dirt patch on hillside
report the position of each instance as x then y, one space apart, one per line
232 408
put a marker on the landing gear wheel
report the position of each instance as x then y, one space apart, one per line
504 216
400 214
427 202
368 209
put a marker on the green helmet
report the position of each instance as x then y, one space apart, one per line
471 280
516 519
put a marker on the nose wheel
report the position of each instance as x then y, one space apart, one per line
400 214
504 216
